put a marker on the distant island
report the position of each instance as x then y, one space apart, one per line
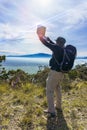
43 55
37 55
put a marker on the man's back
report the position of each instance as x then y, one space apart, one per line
57 53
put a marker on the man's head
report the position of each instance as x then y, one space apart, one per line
60 41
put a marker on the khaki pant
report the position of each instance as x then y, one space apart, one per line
53 85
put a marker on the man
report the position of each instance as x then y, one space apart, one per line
55 76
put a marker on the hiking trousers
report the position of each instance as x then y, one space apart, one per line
53 85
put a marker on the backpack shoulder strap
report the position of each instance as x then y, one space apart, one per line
57 60
65 54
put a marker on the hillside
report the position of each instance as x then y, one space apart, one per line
22 109
22 103
37 55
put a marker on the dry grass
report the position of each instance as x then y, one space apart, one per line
22 109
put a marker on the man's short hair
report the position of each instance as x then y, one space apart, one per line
61 40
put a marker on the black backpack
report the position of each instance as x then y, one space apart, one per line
68 58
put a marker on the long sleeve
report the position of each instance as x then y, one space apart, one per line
47 42
57 52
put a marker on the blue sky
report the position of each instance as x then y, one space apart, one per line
19 20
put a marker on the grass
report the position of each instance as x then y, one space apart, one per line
22 108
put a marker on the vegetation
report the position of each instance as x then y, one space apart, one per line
2 58
23 99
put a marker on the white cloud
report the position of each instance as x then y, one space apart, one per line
18 20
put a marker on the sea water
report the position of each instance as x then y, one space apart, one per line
31 65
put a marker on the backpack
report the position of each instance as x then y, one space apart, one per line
68 58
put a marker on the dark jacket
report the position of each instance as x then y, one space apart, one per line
57 53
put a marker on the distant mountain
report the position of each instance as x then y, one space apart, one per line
44 55
37 55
